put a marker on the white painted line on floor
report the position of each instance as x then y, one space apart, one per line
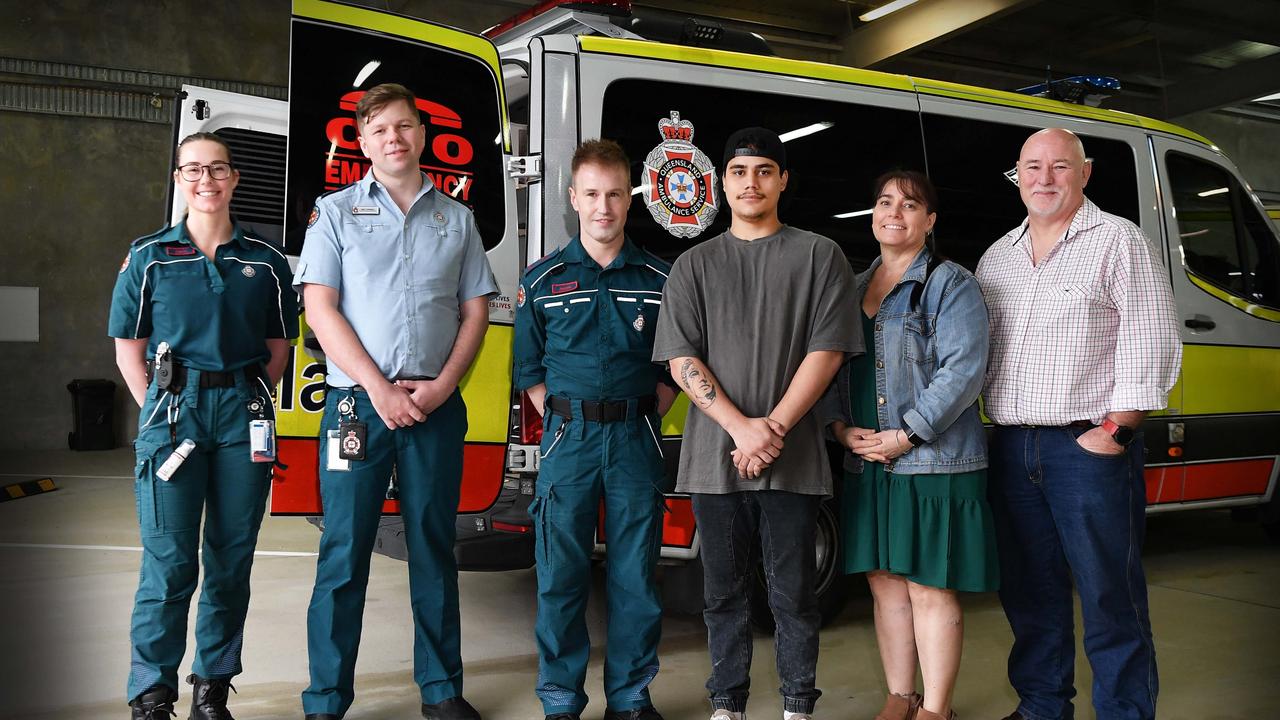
127 548
47 475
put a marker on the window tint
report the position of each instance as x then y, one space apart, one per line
969 162
1225 240
831 171
457 99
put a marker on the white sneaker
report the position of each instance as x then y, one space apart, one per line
796 716
722 714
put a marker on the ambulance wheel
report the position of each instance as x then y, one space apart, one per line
831 588
1269 516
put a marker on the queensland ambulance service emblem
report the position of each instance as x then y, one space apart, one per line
680 181
248 271
351 443
520 296
639 323
315 215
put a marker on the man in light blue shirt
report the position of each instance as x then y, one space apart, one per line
396 285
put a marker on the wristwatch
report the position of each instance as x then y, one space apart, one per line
913 438
1121 434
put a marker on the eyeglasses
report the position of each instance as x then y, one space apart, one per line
192 172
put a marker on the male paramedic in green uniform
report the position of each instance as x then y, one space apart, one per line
585 316
395 284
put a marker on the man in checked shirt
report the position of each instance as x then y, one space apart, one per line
1084 344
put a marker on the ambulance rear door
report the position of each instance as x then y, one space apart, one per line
254 128
336 53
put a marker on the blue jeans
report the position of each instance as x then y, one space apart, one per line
1064 515
781 527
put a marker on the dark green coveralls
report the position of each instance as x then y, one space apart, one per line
216 315
587 332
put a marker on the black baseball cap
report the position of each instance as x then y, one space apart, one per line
757 142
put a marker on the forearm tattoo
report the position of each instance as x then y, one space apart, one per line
697 385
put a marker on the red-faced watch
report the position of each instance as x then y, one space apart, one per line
1121 434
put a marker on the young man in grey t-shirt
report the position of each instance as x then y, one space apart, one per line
755 324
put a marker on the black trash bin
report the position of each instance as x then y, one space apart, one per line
93 405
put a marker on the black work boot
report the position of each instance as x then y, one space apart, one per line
645 713
155 703
455 708
209 698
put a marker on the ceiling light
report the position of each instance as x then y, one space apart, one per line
855 213
806 130
1268 98
1215 191
885 10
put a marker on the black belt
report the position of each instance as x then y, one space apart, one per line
603 412
209 378
360 388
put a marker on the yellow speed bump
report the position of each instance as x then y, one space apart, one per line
30 487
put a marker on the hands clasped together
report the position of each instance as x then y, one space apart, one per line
758 443
405 402
881 447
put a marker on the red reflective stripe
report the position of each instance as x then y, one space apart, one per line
508 527
296 491
1233 478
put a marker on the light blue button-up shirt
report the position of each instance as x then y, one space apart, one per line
401 278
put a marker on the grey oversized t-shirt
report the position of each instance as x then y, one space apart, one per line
752 311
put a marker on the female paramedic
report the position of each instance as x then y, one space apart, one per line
914 496
202 317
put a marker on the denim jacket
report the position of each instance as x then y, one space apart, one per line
930 363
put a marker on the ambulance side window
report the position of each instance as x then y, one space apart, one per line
969 162
458 106
832 167
1225 240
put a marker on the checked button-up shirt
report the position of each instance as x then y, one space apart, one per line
1089 330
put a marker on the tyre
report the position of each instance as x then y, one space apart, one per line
829 581
1269 516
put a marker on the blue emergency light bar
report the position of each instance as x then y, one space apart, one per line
1088 90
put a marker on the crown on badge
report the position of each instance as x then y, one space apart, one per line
675 128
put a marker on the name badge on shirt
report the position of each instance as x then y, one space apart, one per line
365 210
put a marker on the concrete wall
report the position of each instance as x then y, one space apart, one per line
75 191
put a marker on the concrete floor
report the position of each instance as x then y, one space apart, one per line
68 569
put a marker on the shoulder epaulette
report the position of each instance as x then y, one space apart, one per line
656 261
549 256
334 191
152 236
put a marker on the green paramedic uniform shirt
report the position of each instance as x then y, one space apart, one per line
587 331
215 314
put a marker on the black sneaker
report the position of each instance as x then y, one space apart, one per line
455 708
645 713
564 716
209 698
155 703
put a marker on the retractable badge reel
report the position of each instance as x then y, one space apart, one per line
347 443
262 432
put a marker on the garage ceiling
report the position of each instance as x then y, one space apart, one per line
1172 57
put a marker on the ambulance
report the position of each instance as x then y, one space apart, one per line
505 109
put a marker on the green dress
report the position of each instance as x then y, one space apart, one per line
934 530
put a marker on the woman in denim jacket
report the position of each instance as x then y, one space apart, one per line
914 508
